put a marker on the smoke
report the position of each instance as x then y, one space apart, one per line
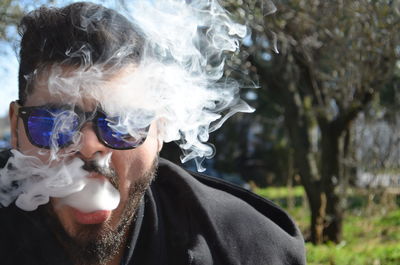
187 45
178 84
30 182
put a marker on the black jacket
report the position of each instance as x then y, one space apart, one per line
185 218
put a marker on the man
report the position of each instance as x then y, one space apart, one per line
82 171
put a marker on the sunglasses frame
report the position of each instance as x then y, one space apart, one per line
93 116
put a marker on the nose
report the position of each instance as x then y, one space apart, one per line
90 144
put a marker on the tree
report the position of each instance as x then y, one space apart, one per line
10 14
334 57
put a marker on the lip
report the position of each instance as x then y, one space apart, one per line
95 217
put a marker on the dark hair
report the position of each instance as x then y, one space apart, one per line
80 34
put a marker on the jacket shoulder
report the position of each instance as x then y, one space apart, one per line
230 224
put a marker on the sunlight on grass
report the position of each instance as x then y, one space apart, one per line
279 192
368 239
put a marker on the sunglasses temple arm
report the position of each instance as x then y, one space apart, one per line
16 106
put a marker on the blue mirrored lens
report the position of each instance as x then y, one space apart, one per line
113 138
41 124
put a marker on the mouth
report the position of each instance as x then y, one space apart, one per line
95 217
94 202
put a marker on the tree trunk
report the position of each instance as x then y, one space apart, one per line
300 127
333 152
306 164
332 181
317 202
315 194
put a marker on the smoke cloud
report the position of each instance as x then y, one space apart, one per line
30 182
178 84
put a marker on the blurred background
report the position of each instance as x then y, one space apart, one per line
324 141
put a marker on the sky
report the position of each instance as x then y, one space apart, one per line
9 63
8 77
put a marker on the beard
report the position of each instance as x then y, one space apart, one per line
99 243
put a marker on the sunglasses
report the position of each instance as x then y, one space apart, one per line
48 126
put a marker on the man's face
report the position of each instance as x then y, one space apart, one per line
134 167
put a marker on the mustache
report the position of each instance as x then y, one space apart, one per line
106 171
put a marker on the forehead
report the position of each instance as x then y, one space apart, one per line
60 85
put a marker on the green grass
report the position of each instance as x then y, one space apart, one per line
368 239
344 254
279 192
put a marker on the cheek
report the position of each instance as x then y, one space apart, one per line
24 145
133 164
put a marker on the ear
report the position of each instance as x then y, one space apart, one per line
13 117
